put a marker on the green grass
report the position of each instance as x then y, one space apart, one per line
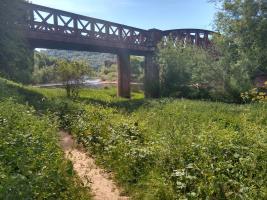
32 164
170 148
174 149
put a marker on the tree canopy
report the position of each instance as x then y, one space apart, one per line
243 24
15 56
72 75
240 54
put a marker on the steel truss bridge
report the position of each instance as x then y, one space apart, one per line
56 29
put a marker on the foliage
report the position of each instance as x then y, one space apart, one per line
137 69
173 149
44 75
255 95
44 69
32 165
15 55
94 59
108 73
242 44
186 70
244 24
240 54
167 148
72 74
42 60
235 77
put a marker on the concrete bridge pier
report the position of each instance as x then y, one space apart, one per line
152 88
151 83
124 74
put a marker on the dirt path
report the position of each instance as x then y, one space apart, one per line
102 187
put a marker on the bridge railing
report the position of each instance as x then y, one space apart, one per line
197 37
49 20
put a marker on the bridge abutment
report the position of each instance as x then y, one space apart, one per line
124 74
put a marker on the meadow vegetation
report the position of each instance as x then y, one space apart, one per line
175 149
168 148
32 164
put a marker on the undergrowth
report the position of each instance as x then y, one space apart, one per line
169 148
32 164
179 149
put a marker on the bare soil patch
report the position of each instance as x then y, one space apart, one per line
102 186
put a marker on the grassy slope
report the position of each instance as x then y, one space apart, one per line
32 165
171 149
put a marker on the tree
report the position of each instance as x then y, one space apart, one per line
243 42
44 68
72 75
137 68
108 73
42 60
15 55
184 70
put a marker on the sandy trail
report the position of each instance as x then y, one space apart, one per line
102 187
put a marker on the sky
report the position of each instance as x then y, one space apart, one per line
145 14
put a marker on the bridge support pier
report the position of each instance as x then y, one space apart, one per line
124 74
151 84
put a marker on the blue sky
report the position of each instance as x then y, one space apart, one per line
146 14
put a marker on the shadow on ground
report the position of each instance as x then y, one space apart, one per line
123 105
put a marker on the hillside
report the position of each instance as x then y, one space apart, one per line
95 59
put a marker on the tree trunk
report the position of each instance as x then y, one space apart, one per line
68 90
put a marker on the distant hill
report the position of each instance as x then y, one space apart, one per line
96 60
